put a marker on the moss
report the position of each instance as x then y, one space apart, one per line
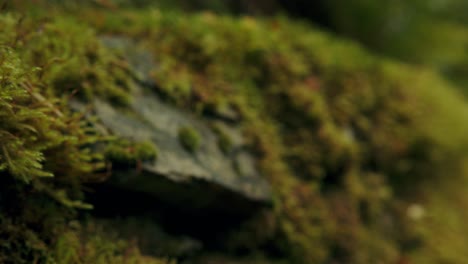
44 156
347 139
189 138
322 113
91 244
126 153
224 141
44 147
69 59
146 151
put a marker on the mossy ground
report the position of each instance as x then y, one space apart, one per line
348 140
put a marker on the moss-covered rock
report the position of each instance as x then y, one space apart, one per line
348 140
327 118
198 167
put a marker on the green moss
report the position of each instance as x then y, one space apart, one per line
189 138
44 156
44 146
128 153
348 140
92 244
224 141
69 59
337 129
146 151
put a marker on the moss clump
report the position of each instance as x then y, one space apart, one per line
123 152
45 155
146 151
94 244
68 58
224 141
189 138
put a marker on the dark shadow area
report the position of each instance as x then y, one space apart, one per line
197 209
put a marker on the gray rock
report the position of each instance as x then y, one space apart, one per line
207 174
205 178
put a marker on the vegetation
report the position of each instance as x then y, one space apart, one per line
432 33
126 153
351 142
99 247
345 137
224 141
189 138
45 156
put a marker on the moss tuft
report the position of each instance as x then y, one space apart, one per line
92 244
123 152
189 138
224 141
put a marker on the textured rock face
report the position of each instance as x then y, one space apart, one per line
207 177
153 120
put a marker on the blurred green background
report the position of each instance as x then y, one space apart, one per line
433 33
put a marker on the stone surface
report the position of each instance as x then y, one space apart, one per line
206 179
152 119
